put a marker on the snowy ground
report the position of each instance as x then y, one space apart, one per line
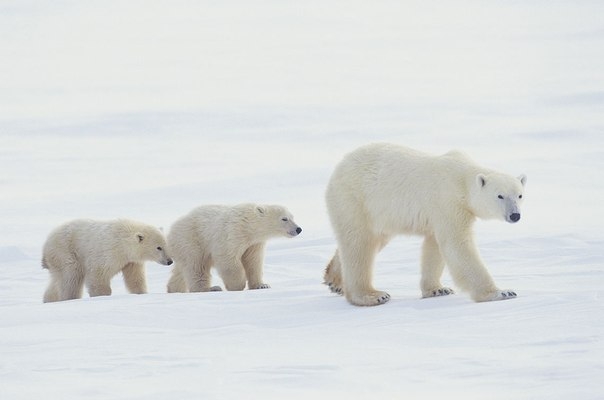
145 109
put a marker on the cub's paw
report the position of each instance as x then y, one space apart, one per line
261 286
443 291
374 298
215 289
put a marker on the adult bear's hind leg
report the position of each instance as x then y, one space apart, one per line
357 257
333 275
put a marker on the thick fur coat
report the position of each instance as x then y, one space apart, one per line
382 190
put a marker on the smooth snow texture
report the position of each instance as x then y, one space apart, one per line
146 109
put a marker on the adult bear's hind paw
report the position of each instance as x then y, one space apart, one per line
334 288
374 298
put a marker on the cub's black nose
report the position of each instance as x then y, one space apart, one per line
515 217
298 230
170 261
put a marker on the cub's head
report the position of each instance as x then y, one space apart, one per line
497 196
152 246
278 221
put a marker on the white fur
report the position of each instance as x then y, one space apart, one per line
87 252
231 238
382 190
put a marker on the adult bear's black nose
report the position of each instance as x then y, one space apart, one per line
298 230
170 261
515 217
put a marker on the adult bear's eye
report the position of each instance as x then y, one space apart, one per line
284 219
500 196
159 248
520 196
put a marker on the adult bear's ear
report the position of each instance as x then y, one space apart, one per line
481 180
522 179
261 210
140 237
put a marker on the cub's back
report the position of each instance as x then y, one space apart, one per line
197 224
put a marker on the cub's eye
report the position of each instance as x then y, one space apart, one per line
520 196
500 196
284 219
159 248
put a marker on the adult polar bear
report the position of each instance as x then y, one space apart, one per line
381 190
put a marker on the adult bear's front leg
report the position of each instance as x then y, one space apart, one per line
467 268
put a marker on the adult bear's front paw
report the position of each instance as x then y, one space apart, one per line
497 295
506 294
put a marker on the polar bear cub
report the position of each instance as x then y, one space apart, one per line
88 252
230 238
382 190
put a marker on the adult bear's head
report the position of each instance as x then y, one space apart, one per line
497 196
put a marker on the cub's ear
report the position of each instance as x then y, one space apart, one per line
261 210
522 179
140 237
481 180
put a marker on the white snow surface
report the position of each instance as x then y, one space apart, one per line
145 109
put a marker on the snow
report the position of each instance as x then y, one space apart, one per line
145 109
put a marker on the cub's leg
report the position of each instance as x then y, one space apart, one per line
66 277
177 284
52 292
253 263
98 282
134 278
432 265
197 275
71 285
232 273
